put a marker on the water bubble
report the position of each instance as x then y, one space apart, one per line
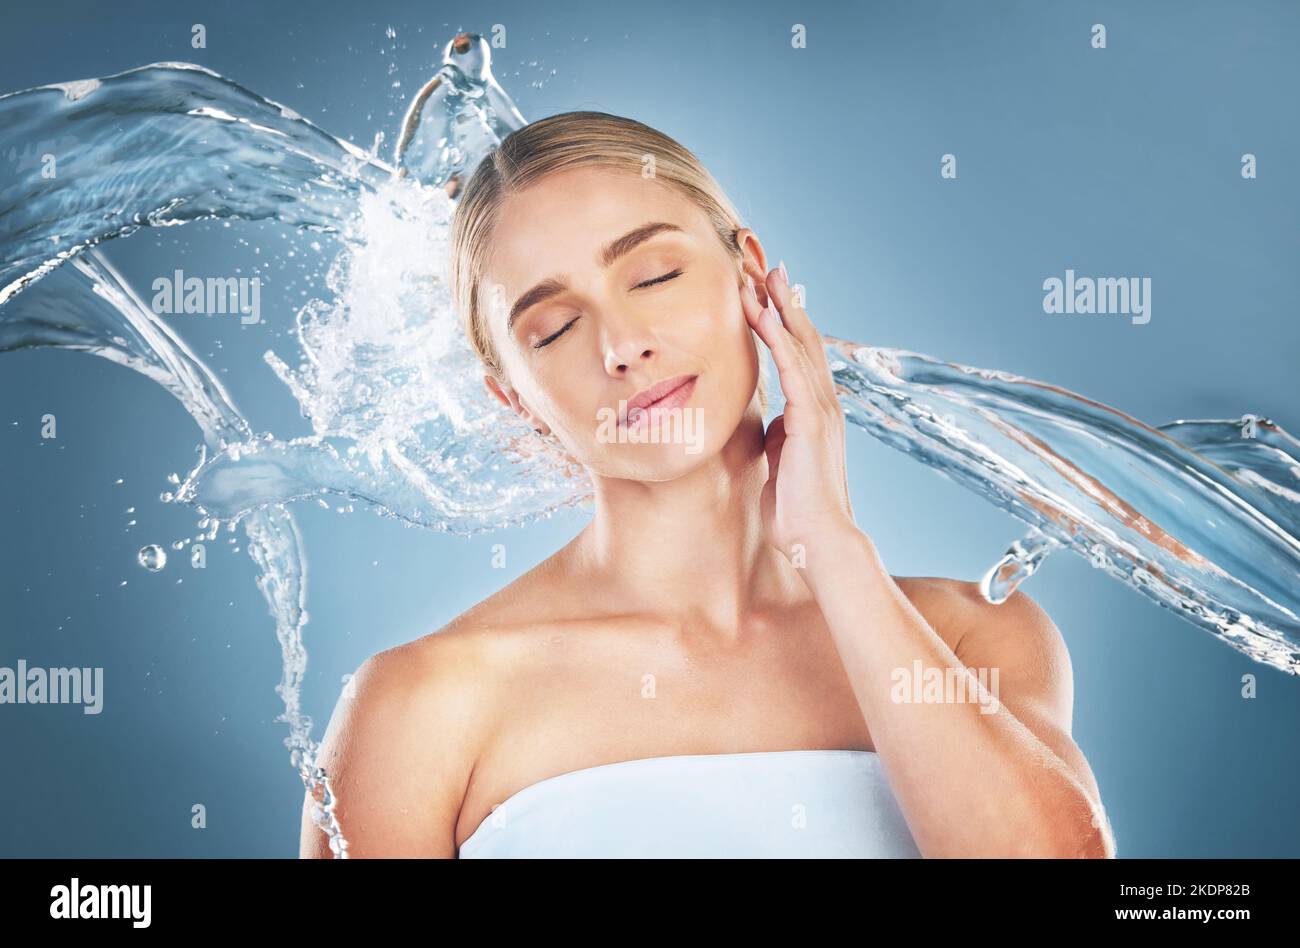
152 557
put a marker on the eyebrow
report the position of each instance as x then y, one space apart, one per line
553 286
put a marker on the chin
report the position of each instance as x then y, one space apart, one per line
679 451
650 461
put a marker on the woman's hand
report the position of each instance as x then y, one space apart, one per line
806 496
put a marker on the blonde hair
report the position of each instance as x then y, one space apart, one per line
559 143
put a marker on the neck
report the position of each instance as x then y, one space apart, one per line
690 551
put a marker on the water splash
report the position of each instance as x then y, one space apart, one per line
1193 515
456 118
1200 516
157 146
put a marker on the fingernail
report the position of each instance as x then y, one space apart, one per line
750 292
785 277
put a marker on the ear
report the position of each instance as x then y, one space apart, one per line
754 262
507 396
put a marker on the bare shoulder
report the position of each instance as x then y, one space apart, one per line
949 605
408 730
1022 649
1017 637
398 749
1016 631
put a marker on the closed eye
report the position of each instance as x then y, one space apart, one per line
661 279
556 335
563 329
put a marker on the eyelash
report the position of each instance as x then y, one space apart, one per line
560 332
663 279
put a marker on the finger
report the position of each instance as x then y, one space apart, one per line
755 314
796 317
749 300
792 365
800 326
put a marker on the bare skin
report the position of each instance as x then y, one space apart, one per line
675 623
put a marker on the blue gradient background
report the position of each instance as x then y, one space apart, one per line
1115 162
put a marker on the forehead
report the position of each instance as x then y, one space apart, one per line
558 225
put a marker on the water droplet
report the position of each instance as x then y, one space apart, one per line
1021 561
152 557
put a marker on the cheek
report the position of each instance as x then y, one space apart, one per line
732 325
724 337
733 349
718 312
564 399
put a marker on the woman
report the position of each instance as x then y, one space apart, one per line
718 664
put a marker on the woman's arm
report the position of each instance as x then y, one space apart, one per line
399 750
990 768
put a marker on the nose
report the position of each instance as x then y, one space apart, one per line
619 360
628 342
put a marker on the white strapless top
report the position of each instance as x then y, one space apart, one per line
761 804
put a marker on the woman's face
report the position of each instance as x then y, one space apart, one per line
602 284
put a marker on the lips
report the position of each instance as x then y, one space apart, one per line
662 395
